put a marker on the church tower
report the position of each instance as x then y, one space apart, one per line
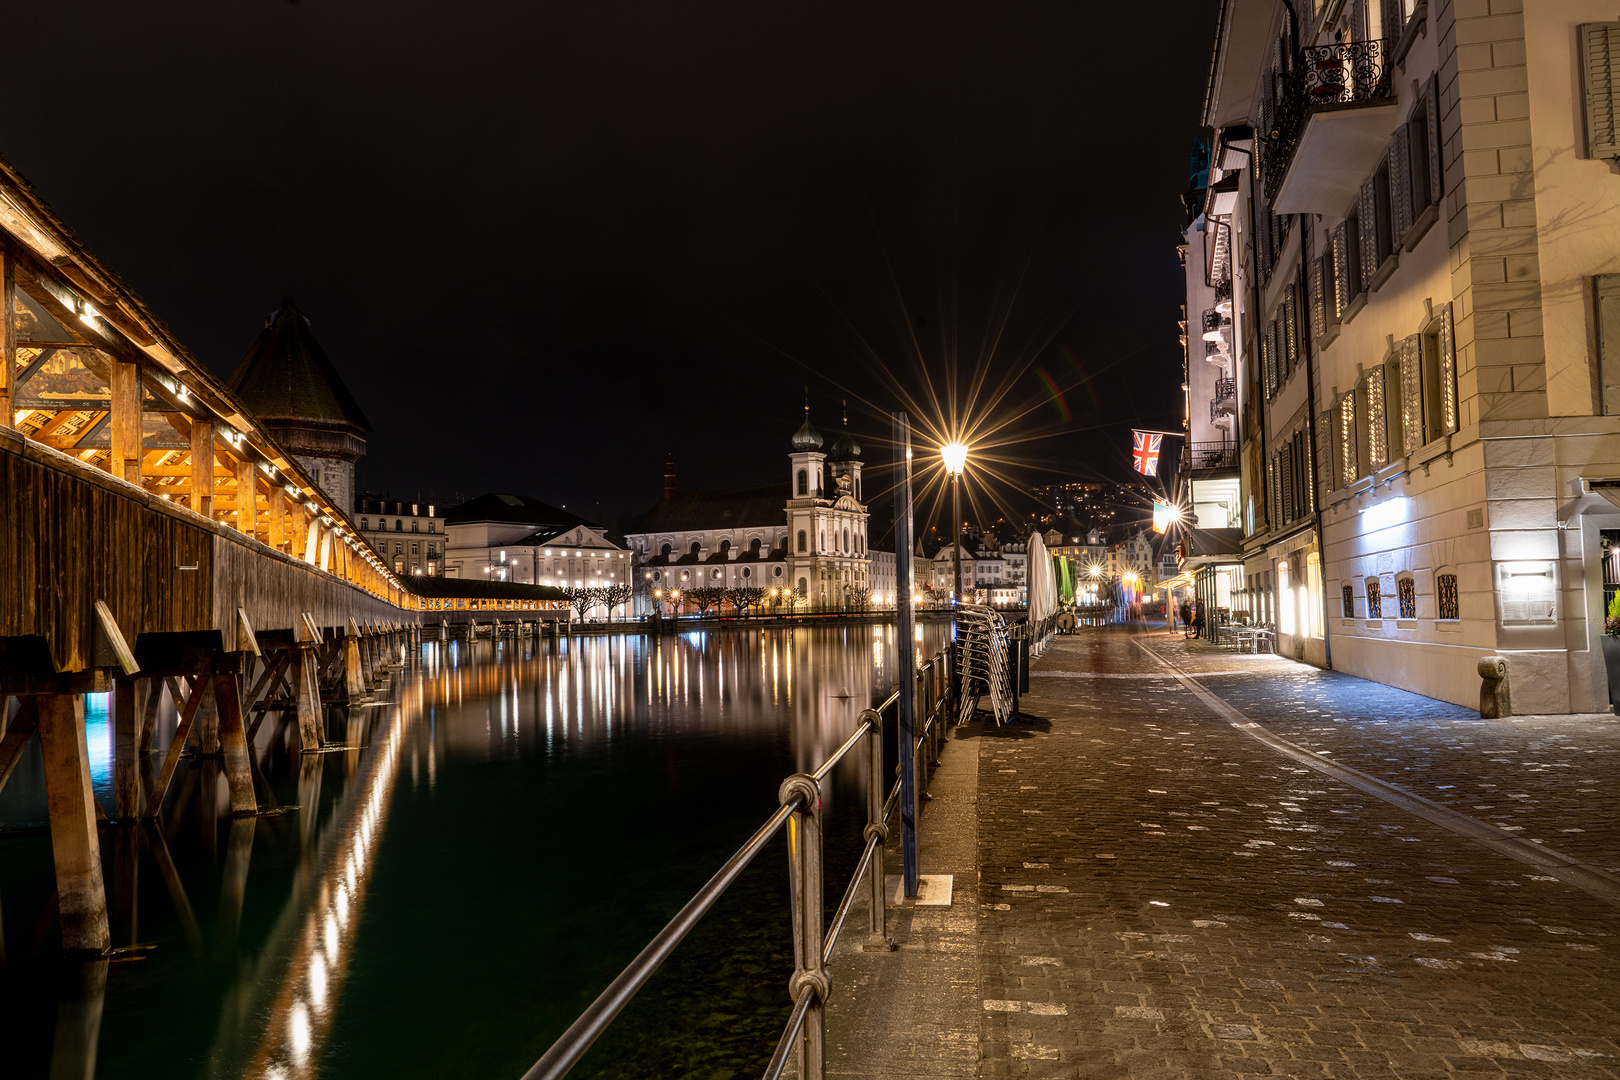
287 381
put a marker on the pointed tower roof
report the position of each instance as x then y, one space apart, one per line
287 374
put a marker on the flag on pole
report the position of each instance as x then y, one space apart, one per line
1145 452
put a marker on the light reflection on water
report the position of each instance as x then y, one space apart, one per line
517 822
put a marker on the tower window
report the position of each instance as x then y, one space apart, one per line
804 482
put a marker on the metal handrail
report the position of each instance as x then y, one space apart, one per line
804 844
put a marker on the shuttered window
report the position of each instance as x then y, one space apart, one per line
1347 439
1447 365
1290 349
1431 115
1286 456
1377 431
1400 184
1344 276
1318 291
1600 54
1608 326
1367 232
1411 393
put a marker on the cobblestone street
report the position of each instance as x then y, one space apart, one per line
1164 896
1163 893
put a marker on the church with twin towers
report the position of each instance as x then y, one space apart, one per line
808 536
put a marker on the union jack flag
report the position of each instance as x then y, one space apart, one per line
1145 452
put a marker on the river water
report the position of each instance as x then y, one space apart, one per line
509 828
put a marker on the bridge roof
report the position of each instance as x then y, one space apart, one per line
286 373
440 588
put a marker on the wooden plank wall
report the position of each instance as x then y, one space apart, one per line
71 534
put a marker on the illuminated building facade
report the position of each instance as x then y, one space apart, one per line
1424 258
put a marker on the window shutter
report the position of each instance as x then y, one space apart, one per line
1394 21
1369 233
1287 471
1437 187
1318 304
1400 184
1307 471
1600 50
1268 359
1323 451
1347 439
1608 329
1342 288
1448 373
1290 349
1412 393
1377 431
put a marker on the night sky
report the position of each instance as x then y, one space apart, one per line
548 244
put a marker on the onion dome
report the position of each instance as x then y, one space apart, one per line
845 449
807 437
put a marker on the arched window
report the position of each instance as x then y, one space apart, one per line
1445 587
804 587
416 526
753 547
846 542
665 550
1406 597
804 482
399 526
802 540
1375 599
822 546
365 524
1349 601
725 547
697 548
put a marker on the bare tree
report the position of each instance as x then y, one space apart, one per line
614 595
746 597
704 597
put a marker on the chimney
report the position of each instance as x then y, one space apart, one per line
669 476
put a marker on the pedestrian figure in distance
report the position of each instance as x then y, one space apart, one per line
1186 617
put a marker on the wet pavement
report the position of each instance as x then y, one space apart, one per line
1163 894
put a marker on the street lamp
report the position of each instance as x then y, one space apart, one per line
955 455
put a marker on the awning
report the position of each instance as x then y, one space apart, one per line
1181 580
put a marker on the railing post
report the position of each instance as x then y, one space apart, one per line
877 937
809 918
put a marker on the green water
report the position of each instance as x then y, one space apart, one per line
519 819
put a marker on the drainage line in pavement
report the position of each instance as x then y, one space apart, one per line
1589 879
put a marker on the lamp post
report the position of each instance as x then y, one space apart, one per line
955 456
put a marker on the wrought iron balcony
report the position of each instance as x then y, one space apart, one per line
1222 409
1225 389
1213 349
1209 455
1223 290
1330 83
1214 320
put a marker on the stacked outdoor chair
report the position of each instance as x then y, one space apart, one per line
982 662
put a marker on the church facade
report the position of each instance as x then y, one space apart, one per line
807 539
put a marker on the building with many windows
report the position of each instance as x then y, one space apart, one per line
499 537
1422 253
408 535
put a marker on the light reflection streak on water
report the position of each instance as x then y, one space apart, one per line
322 915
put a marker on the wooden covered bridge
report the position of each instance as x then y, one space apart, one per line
154 538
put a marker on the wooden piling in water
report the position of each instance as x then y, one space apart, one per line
75 845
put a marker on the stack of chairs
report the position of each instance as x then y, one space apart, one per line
982 641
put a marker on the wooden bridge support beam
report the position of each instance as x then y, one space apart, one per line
202 467
247 495
8 337
233 743
354 676
278 517
75 845
124 382
307 687
126 722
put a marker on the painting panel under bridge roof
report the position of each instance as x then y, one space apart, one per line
53 378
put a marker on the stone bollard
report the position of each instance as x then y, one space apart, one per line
1495 702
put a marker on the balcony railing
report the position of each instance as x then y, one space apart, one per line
1325 76
1214 320
1225 389
1209 455
1221 410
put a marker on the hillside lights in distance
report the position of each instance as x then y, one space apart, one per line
1381 515
955 455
